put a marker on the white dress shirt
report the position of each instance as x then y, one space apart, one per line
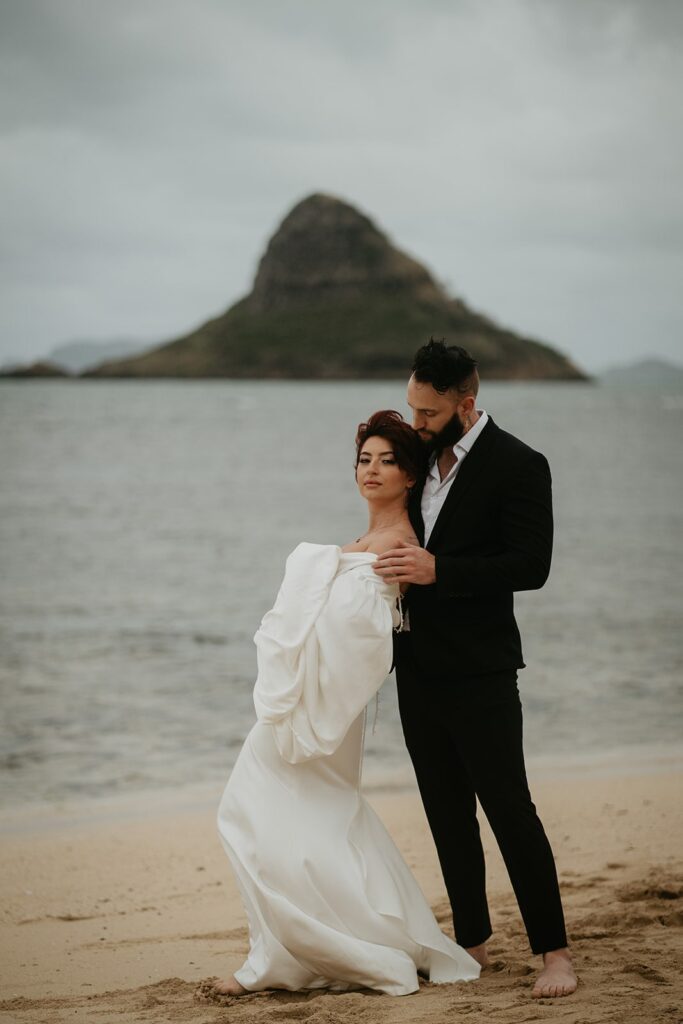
435 489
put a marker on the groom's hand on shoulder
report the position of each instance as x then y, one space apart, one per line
406 563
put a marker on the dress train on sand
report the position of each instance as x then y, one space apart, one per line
330 901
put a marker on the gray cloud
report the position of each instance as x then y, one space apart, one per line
527 151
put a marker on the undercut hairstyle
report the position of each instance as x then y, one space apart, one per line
408 449
446 367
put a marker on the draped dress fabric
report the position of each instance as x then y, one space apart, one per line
330 901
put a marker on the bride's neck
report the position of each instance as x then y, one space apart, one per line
383 517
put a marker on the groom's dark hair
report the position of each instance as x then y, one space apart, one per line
445 367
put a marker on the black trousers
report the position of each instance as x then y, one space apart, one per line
464 736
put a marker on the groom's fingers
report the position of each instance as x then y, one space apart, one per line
408 564
394 555
393 571
389 567
397 556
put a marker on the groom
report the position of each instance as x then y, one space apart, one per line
484 518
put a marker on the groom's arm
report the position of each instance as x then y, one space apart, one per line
525 540
525 535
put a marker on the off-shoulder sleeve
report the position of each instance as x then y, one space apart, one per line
313 683
281 639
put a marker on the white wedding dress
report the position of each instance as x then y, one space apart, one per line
330 901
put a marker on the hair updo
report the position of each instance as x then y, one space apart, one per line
409 451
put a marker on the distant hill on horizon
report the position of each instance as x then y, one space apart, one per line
652 372
72 357
334 299
81 353
41 368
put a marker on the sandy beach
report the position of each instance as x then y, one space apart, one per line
118 910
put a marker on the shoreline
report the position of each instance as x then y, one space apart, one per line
121 917
77 811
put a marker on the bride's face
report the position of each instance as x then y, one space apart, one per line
378 474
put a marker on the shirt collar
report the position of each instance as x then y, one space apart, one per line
467 440
463 446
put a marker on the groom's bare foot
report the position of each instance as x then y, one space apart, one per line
557 977
479 953
231 987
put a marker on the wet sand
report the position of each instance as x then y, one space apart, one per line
117 911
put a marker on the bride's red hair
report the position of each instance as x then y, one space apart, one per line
407 447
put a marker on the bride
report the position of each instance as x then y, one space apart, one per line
330 901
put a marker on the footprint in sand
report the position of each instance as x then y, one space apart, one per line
645 971
656 888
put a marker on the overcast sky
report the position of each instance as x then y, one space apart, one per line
528 151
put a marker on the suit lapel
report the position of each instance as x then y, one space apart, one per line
415 514
472 466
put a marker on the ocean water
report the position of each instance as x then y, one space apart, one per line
143 532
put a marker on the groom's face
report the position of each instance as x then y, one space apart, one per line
437 418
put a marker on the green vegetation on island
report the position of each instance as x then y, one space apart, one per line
333 299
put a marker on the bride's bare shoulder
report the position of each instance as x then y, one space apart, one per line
355 546
383 540
386 541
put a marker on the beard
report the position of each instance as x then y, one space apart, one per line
446 437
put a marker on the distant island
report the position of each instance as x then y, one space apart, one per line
42 368
645 373
81 354
72 357
334 299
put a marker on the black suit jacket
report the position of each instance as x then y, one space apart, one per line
493 536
